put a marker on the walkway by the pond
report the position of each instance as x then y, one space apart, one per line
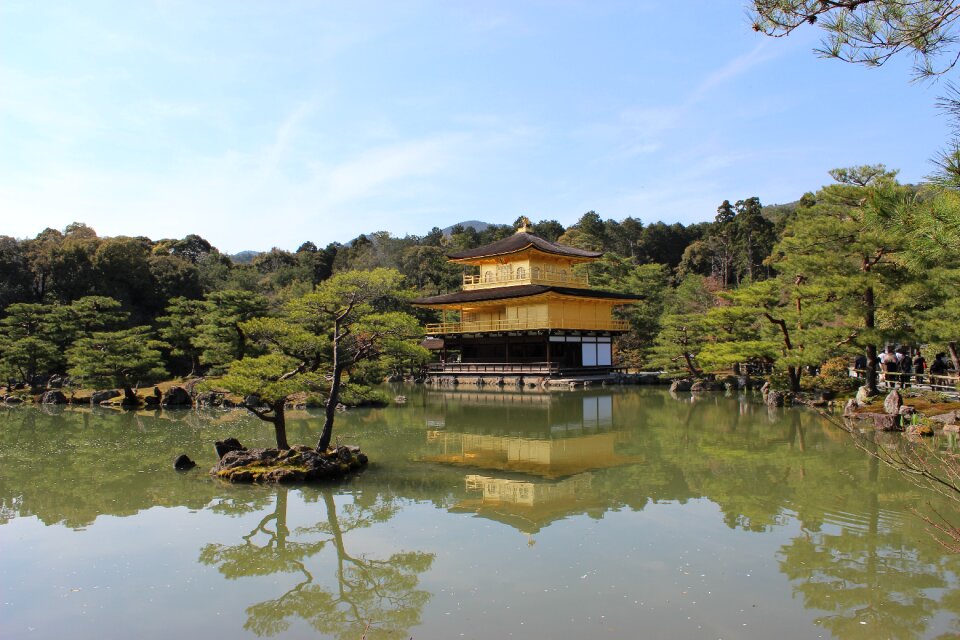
949 383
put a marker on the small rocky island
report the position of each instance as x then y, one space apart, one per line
299 463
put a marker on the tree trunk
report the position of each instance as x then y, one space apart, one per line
280 515
331 409
870 321
280 424
194 365
130 398
871 371
241 342
794 374
690 366
954 357
337 533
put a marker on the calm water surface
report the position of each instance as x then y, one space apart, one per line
606 513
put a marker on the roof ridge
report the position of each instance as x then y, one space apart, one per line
520 241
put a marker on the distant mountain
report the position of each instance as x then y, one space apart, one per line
245 257
476 224
776 213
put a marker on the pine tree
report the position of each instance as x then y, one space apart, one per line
318 338
683 332
842 244
125 359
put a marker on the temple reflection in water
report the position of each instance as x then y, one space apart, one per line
535 468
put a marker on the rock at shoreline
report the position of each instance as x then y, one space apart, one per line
863 397
176 397
924 430
893 402
99 397
210 399
680 385
774 398
883 421
850 409
183 463
53 397
950 417
299 464
224 447
706 385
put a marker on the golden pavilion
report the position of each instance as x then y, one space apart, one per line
524 312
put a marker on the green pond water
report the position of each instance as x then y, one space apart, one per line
620 513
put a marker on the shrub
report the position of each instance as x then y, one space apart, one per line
834 376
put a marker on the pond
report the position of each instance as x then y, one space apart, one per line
611 512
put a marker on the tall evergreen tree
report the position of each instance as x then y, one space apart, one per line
221 336
125 359
317 339
841 243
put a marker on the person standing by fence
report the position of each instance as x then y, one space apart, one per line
888 362
906 369
919 366
938 369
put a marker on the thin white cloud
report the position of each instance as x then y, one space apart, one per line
760 53
284 137
644 129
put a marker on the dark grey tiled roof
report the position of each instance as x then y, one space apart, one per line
522 291
520 241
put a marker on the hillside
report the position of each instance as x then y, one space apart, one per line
476 224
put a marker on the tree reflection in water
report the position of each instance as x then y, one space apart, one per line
863 571
366 596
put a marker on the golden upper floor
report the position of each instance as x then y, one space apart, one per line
521 259
524 282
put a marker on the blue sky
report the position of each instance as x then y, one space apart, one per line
260 124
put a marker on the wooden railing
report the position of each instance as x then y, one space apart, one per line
946 382
494 367
489 282
524 325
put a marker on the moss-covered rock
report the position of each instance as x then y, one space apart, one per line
298 464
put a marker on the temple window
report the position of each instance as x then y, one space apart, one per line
521 273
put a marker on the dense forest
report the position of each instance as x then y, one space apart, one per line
845 270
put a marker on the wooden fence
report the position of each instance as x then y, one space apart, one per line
948 382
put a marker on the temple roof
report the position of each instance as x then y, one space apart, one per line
522 291
520 241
